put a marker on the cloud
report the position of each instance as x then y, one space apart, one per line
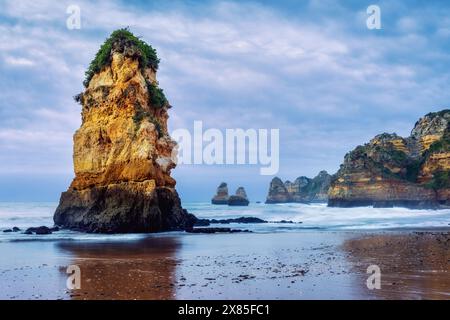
311 69
21 62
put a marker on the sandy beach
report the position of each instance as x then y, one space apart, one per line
224 150
415 264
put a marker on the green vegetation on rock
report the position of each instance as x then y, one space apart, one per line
441 180
438 114
412 170
442 145
125 42
397 156
157 97
141 115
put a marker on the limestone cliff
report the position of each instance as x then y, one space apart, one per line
302 190
278 192
394 171
123 154
221 196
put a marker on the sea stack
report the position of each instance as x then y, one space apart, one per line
239 199
392 171
278 192
302 190
123 154
221 196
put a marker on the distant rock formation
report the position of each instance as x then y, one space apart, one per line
278 192
392 171
239 199
122 151
302 190
221 196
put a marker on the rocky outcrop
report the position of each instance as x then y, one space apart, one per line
41 230
317 188
221 196
239 199
207 222
302 190
392 171
244 220
123 154
216 230
278 193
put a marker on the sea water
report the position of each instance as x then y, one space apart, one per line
304 217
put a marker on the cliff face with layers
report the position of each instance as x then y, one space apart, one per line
302 190
394 171
122 151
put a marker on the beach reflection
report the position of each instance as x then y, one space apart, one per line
143 269
413 266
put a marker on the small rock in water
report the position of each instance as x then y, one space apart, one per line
39 230
15 229
215 230
202 223
284 221
7 230
207 222
239 199
43 230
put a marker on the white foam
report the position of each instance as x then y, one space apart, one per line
314 216
320 216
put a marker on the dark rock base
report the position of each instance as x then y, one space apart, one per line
207 222
242 220
237 201
409 204
41 230
215 230
219 202
117 209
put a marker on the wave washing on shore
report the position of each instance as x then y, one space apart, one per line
306 217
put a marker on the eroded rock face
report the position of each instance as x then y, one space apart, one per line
123 156
302 190
394 171
278 193
221 196
319 186
239 199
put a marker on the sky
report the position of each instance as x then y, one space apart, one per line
311 69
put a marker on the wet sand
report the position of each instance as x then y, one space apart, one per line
414 265
297 265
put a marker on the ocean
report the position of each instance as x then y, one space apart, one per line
323 255
305 217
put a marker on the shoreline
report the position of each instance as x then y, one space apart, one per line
286 265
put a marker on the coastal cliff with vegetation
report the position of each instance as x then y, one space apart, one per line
302 190
123 154
392 171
